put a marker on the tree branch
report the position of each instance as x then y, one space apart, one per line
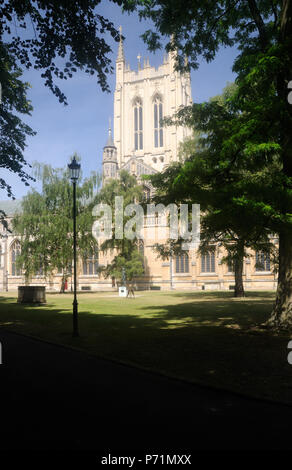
274 8
259 23
223 14
286 22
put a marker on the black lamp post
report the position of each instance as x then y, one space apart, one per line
74 168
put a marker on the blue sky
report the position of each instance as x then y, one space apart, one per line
82 125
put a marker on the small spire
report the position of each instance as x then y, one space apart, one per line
110 142
121 47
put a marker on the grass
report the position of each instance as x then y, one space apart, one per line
205 337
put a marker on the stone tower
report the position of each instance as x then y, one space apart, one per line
109 159
142 99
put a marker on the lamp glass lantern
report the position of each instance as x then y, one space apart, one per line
74 168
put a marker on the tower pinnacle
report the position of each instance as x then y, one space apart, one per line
121 56
110 142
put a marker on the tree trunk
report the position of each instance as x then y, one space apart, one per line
62 290
282 312
238 270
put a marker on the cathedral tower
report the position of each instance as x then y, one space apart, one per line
142 98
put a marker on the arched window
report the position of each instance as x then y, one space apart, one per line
141 249
138 124
146 193
182 263
40 271
208 262
158 116
230 262
90 263
113 170
263 262
15 252
231 266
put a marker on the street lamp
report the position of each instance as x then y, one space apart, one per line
74 168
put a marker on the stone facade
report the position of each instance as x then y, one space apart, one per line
191 272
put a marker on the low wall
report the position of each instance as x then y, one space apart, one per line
31 294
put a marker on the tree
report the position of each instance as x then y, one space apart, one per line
261 139
13 131
195 180
45 225
125 250
60 38
130 263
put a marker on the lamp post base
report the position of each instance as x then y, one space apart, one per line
75 319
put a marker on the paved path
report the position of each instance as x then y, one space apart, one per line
56 398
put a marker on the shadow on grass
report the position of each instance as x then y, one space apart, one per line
225 295
214 312
208 341
216 309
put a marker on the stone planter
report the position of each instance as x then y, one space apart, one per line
32 294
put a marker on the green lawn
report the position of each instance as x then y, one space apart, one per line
205 337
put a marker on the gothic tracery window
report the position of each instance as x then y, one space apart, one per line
15 252
208 262
231 266
138 124
113 170
146 193
141 247
263 262
40 271
182 263
90 263
158 116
